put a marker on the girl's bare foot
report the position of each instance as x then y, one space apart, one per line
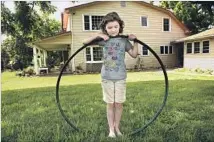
111 134
118 132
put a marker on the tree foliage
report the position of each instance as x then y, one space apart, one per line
28 23
196 15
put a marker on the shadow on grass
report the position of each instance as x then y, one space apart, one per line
32 114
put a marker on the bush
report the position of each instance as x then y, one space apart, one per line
209 71
29 70
198 70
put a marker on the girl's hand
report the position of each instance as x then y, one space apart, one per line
132 37
103 36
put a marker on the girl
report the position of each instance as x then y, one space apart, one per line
113 71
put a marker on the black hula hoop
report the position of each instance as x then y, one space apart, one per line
91 43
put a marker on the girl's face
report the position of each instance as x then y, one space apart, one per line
112 28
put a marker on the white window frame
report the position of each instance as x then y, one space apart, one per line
90 22
92 56
191 50
147 20
203 47
142 51
164 50
170 25
194 47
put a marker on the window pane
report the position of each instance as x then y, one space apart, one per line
96 22
144 21
87 26
196 47
166 50
189 47
97 53
162 49
165 24
88 54
86 22
123 4
145 51
206 45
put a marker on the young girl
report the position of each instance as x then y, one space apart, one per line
113 71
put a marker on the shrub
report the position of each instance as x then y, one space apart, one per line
29 70
198 70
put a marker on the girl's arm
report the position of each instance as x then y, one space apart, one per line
134 51
105 37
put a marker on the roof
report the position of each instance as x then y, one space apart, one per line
202 35
81 5
54 36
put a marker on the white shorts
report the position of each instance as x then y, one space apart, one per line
114 91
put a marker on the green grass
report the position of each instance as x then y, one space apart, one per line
31 113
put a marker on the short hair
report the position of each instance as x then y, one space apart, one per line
110 17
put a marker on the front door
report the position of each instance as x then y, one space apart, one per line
180 57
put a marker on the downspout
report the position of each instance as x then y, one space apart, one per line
72 42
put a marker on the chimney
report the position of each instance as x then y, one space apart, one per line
62 21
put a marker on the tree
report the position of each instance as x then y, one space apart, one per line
25 16
196 15
25 26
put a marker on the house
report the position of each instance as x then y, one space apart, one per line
199 50
153 25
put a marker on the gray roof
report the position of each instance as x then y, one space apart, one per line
202 35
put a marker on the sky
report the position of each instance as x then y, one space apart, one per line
61 5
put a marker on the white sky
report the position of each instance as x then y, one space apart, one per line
61 5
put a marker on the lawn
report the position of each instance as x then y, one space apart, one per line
29 111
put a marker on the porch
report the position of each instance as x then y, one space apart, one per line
62 42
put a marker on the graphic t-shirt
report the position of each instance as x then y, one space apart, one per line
114 49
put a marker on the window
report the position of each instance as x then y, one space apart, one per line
97 53
166 49
92 22
206 45
196 47
166 24
87 22
162 49
144 21
123 4
145 51
88 54
94 54
189 48
170 49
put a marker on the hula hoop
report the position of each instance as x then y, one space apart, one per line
91 43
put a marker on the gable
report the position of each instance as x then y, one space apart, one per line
100 7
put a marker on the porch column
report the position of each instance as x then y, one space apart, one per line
72 64
35 60
40 58
45 57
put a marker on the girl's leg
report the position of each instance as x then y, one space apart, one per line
110 117
118 114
